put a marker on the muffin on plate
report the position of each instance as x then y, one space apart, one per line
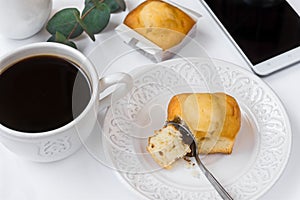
213 118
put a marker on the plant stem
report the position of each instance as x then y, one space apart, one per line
89 10
73 30
82 18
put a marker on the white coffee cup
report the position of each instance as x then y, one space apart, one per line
59 143
20 19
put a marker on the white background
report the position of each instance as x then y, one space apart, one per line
82 177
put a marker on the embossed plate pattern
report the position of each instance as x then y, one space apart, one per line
261 149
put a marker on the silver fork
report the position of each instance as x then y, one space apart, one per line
189 139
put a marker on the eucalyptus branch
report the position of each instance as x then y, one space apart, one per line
95 2
69 23
73 30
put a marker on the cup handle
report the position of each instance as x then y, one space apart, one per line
125 81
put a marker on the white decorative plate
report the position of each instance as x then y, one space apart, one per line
260 152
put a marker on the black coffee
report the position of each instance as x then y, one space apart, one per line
42 93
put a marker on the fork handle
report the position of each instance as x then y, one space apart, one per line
220 189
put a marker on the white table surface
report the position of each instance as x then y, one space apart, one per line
82 177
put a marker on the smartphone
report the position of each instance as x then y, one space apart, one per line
265 32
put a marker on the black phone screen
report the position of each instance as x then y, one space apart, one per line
261 31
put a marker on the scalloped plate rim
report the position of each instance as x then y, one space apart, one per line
252 76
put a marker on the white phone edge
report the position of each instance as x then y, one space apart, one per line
266 67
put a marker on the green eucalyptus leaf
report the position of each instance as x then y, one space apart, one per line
51 39
122 4
86 29
65 22
87 1
94 2
95 17
60 38
113 5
